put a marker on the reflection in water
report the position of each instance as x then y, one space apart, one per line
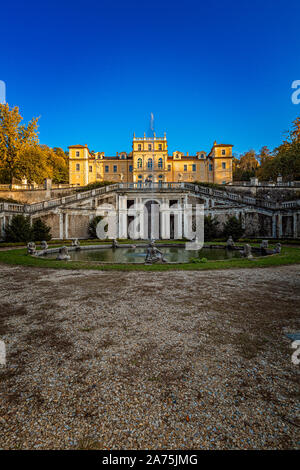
137 255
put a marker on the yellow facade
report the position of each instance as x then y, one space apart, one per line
149 161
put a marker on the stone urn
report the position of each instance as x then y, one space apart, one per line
44 245
76 243
277 248
31 248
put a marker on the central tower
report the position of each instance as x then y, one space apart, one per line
150 157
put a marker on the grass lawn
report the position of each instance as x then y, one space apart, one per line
288 255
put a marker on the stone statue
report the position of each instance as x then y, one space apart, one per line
63 254
31 248
76 243
247 251
264 246
154 255
230 243
115 244
44 245
277 248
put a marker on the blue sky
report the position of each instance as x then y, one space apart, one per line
95 70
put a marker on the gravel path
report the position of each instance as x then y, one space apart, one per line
176 360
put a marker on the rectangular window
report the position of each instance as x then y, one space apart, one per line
210 167
185 168
77 167
159 146
223 165
149 147
106 168
91 169
169 167
139 146
77 154
223 152
130 168
115 168
194 167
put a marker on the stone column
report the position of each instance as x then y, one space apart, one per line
243 219
61 225
274 228
165 220
123 223
140 217
178 223
279 222
187 219
295 225
66 225
2 226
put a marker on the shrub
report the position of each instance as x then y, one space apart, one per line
40 231
233 227
18 230
210 228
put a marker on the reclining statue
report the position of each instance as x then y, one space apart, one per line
154 255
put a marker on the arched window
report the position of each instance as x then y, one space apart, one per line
160 163
139 163
150 163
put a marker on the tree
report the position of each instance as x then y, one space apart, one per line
18 230
14 137
233 227
210 228
57 164
93 225
33 164
40 231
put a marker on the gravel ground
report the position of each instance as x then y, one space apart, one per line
146 360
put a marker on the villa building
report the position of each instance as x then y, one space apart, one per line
149 162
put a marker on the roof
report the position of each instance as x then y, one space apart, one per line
184 158
222 145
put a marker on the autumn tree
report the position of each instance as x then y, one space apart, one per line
286 158
15 137
244 167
